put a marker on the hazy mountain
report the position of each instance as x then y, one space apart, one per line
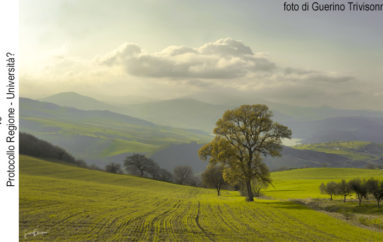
187 113
180 155
182 113
339 129
75 100
97 136
298 113
321 113
333 155
310 124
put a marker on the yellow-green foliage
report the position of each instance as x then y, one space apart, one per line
76 204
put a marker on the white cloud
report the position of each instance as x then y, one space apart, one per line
223 59
226 65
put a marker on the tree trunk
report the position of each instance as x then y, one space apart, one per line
331 196
250 196
360 200
218 191
378 203
344 198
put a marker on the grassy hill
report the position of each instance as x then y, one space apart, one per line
304 183
310 124
77 204
356 154
97 136
354 150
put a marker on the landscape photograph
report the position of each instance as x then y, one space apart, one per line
199 121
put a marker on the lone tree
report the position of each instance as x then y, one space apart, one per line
139 164
331 188
213 177
183 175
243 135
113 168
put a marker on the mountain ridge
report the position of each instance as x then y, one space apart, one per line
98 136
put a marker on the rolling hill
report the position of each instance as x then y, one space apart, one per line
368 129
309 124
182 113
304 183
75 100
98 136
336 154
180 155
68 203
354 150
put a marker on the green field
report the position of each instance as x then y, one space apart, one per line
77 204
304 183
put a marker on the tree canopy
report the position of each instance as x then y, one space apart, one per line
331 188
113 168
213 177
141 165
183 175
243 136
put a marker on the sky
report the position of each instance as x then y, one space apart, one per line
129 51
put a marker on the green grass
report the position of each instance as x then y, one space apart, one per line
304 183
76 204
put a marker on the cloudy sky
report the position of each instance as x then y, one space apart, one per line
150 49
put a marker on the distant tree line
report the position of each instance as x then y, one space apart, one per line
361 188
136 164
142 166
32 146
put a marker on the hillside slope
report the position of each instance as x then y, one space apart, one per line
310 124
75 100
98 136
183 113
350 128
354 150
71 203
315 155
304 183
